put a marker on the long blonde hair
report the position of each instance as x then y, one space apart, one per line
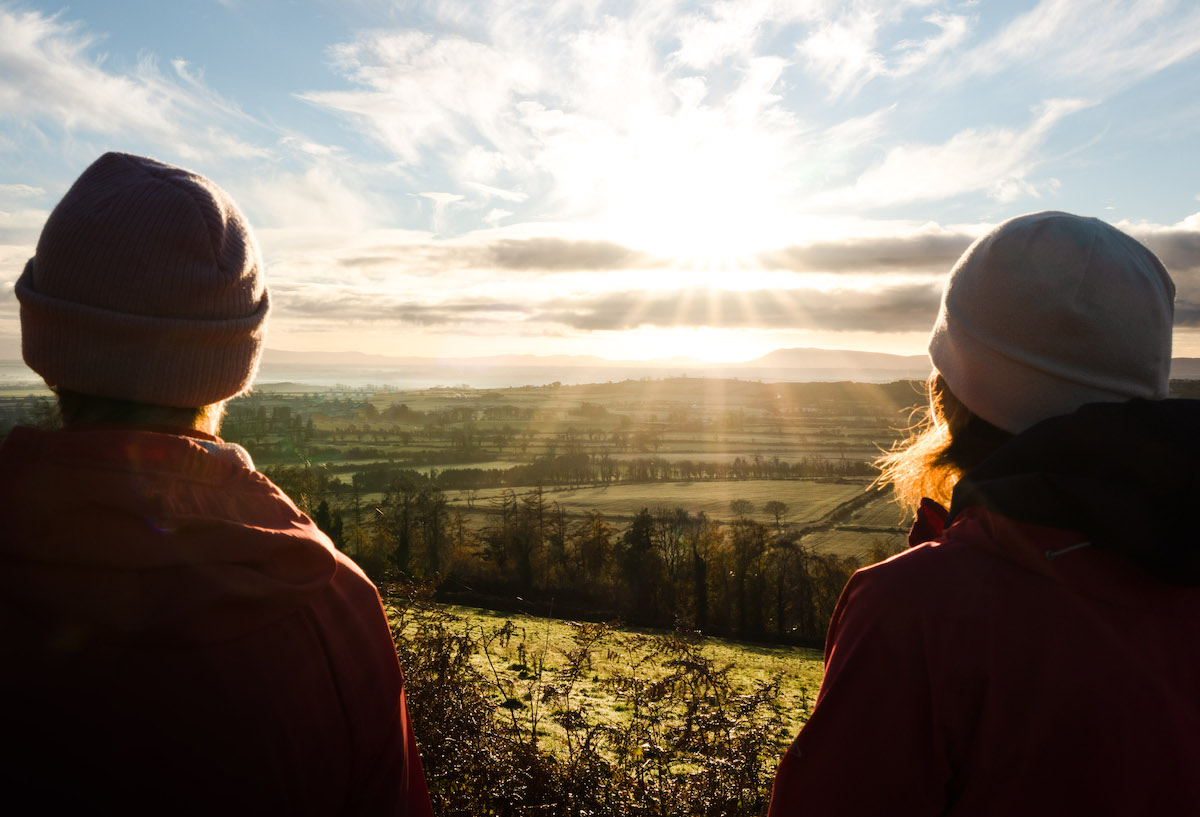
946 441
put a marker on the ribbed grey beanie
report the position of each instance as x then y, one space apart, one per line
1050 311
146 285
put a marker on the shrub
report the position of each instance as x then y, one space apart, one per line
691 743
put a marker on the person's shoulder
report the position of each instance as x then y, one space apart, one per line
955 547
349 574
932 573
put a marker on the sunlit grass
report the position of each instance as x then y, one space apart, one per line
523 659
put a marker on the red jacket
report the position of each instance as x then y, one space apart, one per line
178 638
1007 667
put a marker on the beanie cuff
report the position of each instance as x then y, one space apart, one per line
184 363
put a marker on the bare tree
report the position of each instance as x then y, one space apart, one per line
741 508
778 510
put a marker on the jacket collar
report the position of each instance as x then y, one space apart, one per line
1124 475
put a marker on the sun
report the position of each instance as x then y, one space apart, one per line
701 191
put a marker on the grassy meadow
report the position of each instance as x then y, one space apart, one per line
525 656
678 420
808 501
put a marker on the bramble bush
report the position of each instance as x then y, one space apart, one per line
690 742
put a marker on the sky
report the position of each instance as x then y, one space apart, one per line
624 179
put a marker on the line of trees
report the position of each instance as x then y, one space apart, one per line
581 468
560 470
668 567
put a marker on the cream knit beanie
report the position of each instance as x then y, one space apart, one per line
1050 311
146 285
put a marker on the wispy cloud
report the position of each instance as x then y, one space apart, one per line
845 48
927 250
569 110
1106 44
995 160
564 254
49 75
20 191
419 90
321 198
913 55
883 309
542 254
903 269
841 52
350 306
21 227
693 120
727 30
933 250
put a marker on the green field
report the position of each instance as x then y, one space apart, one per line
883 514
860 545
808 500
713 421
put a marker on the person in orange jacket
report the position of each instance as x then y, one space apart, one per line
179 638
1034 652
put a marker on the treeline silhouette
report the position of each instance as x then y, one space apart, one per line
667 567
563 470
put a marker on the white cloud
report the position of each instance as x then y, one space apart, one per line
515 196
841 52
19 227
729 29
994 160
1176 245
846 45
832 147
1103 43
495 216
48 75
309 148
914 55
420 90
322 198
20 190
583 114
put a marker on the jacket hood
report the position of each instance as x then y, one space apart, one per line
1124 475
134 534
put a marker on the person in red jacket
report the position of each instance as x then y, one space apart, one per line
178 637
1034 652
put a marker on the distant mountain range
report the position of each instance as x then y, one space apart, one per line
799 358
359 369
837 359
